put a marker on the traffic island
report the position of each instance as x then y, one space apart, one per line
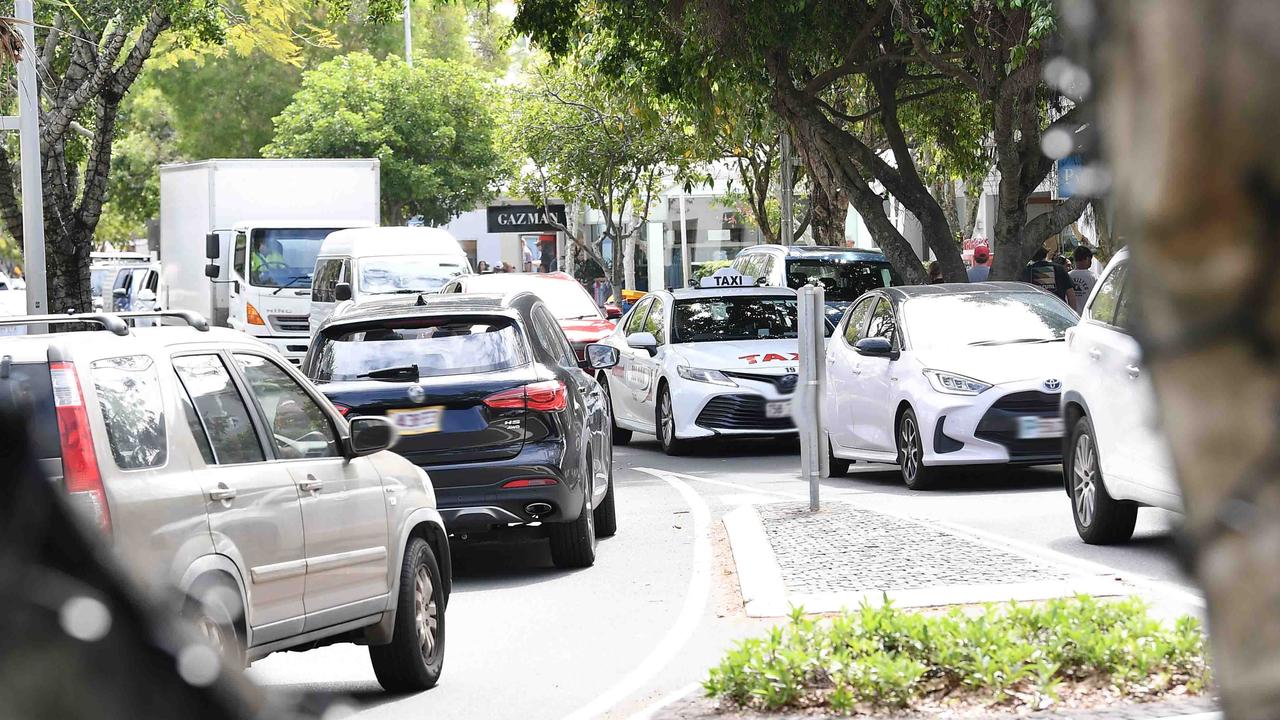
843 556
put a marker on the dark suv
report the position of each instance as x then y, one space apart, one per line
489 397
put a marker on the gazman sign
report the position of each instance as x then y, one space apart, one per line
525 218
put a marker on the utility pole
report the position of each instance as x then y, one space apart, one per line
685 265
408 36
785 182
28 126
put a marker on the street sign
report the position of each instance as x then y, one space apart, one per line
526 218
1069 169
725 278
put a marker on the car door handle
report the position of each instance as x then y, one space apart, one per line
1095 354
1133 370
311 484
222 493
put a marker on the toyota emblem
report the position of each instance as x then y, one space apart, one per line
1053 384
417 394
788 382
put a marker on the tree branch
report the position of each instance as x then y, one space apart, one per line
57 119
1039 228
906 11
10 212
157 23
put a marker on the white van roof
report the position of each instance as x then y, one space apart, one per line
376 241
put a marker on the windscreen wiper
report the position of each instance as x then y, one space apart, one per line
1018 341
292 280
403 372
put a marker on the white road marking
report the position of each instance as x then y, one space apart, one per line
667 700
695 604
725 483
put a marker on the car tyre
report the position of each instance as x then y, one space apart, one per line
213 610
606 513
1100 519
915 473
839 467
414 658
573 543
666 423
621 436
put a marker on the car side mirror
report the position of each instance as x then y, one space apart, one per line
643 341
146 295
612 312
874 347
120 292
212 271
342 292
212 248
371 434
600 357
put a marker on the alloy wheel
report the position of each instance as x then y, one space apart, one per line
1083 468
212 633
426 614
668 423
910 448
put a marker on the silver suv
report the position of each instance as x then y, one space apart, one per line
213 465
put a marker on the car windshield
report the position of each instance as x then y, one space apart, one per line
284 257
432 346
995 318
401 274
734 318
843 280
565 298
97 278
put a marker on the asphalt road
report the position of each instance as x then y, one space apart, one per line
525 640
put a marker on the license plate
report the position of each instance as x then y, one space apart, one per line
1031 427
777 409
417 421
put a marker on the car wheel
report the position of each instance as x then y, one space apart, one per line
573 543
607 512
213 610
414 658
666 422
621 436
839 467
911 454
1100 519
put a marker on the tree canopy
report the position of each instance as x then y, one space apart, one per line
430 125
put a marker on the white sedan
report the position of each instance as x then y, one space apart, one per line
942 375
705 362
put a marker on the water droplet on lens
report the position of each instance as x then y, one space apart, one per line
1094 180
199 664
85 618
1056 143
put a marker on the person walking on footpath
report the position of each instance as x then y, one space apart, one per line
980 270
935 273
1083 278
1049 276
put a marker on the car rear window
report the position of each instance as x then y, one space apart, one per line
133 410
30 386
435 346
843 280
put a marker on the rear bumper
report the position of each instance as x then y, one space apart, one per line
471 496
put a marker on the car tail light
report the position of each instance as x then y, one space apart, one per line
548 396
79 462
530 482
343 410
251 315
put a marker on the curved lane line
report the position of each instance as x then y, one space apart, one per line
695 604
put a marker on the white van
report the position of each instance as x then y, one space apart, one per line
361 263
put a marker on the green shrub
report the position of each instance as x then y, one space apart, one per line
885 657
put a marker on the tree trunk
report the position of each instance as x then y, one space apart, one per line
617 274
1189 123
828 215
629 261
946 192
67 268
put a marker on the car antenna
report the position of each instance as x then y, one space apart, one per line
422 300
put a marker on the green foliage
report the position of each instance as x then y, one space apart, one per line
147 140
885 657
431 126
704 269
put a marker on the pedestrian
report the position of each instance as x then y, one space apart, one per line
935 273
1083 277
482 267
980 270
526 257
547 260
1049 276
601 290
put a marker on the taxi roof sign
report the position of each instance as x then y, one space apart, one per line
725 277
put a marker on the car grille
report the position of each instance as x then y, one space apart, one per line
740 412
1000 425
290 323
785 384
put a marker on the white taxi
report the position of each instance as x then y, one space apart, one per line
717 360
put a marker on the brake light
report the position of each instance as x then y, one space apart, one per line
79 462
530 482
548 396
343 410
251 315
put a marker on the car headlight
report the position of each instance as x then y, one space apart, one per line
715 377
953 384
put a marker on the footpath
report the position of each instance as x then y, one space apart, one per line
843 556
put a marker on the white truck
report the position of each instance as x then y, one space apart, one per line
239 238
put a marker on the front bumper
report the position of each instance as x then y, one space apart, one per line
292 348
709 410
987 429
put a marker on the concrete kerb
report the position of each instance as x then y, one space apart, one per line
759 577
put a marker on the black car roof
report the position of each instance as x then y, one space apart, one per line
424 305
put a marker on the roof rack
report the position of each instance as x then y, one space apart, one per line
111 323
194 319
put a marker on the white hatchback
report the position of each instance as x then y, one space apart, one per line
929 376
1116 458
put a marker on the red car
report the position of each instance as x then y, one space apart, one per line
574 308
